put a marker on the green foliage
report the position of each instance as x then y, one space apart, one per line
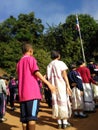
43 58
10 54
64 38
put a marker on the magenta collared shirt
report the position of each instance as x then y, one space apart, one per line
28 84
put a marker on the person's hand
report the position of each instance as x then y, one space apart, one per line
52 88
69 91
73 84
96 83
81 93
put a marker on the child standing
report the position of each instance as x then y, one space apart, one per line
89 104
29 91
3 94
75 81
12 87
57 75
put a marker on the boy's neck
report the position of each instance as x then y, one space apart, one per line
27 53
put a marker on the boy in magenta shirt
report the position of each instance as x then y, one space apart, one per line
29 90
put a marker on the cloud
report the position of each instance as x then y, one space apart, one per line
90 7
52 13
11 7
49 11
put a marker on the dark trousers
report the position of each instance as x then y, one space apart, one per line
2 105
12 97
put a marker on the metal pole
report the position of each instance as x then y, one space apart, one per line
80 38
82 47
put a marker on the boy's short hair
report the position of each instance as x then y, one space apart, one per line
73 66
80 62
54 54
26 47
4 76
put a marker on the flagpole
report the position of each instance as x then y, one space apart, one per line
82 46
84 59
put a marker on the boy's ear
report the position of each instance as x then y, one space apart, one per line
31 51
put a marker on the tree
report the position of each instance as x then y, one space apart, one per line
13 33
63 37
88 28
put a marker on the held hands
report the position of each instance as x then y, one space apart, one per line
69 91
52 88
73 84
81 93
96 83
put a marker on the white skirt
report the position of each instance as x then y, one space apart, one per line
61 109
89 104
77 99
95 90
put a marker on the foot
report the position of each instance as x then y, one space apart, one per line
83 116
13 108
59 126
3 119
68 124
65 126
76 116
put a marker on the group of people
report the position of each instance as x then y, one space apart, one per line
70 89
81 82
8 88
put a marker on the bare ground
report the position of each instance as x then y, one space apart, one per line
45 121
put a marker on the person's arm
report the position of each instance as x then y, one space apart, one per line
4 87
64 74
41 77
90 78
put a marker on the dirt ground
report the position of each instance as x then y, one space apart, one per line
45 121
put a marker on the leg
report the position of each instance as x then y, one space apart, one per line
66 123
59 121
31 125
1 105
24 126
11 99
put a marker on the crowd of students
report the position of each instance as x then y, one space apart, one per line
83 80
8 93
67 91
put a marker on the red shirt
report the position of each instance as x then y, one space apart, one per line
85 74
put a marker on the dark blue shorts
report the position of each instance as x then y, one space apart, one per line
2 105
29 110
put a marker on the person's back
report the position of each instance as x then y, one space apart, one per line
2 86
57 75
74 77
29 90
3 93
89 104
84 73
55 69
28 85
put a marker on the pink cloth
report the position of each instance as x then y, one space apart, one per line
13 82
28 84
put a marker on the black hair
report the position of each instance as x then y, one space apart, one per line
4 76
54 54
80 62
72 66
92 60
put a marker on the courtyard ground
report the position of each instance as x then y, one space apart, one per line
45 121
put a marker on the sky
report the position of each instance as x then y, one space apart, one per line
51 12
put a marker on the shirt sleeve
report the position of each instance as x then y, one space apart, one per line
63 66
33 64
